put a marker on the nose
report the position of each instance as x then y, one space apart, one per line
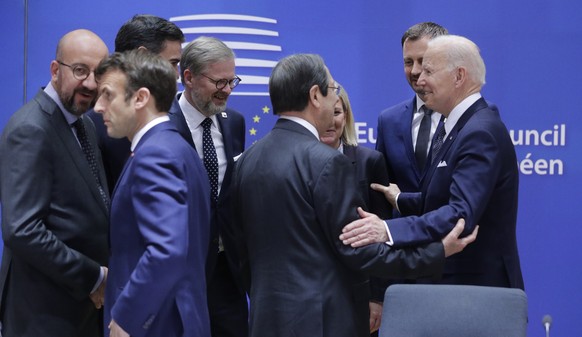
226 89
98 106
90 82
416 68
421 79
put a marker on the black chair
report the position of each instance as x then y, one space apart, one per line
421 310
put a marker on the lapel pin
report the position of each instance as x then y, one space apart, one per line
224 115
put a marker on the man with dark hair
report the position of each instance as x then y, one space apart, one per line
292 196
406 129
218 135
160 212
157 35
55 204
401 126
153 33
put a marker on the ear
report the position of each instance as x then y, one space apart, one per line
142 97
460 76
54 69
187 77
315 96
142 48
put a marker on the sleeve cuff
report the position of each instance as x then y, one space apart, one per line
99 280
396 202
390 242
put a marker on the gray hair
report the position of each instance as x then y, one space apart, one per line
460 51
201 53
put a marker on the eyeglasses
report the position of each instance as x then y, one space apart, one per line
80 71
337 89
220 84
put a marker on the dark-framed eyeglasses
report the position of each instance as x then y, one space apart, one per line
80 71
220 84
336 89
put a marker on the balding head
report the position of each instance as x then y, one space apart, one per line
81 40
77 49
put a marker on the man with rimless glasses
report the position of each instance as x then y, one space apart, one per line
218 135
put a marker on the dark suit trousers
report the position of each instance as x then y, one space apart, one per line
227 305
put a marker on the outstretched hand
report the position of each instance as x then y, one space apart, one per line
390 192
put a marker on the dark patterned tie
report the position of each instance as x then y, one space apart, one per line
210 158
423 137
90 156
438 139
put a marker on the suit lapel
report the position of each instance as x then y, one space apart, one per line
452 136
71 145
225 131
407 137
350 152
177 117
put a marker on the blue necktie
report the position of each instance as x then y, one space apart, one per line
439 139
210 158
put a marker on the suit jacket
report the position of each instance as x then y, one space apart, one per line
292 196
395 143
54 225
474 176
232 127
160 218
371 168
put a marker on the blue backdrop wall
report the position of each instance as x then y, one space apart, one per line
531 49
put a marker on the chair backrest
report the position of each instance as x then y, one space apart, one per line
422 310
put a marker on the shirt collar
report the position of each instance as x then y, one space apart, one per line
145 129
459 110
191 114
419 104
52 93
303 123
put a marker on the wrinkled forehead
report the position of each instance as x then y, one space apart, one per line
434 57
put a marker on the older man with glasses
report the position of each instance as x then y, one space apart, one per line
218 135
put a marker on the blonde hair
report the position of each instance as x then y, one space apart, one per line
349 132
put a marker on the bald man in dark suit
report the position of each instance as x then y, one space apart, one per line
55 203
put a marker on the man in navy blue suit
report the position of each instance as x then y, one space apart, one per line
157 35
473 174
399 125
218 135
160 212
